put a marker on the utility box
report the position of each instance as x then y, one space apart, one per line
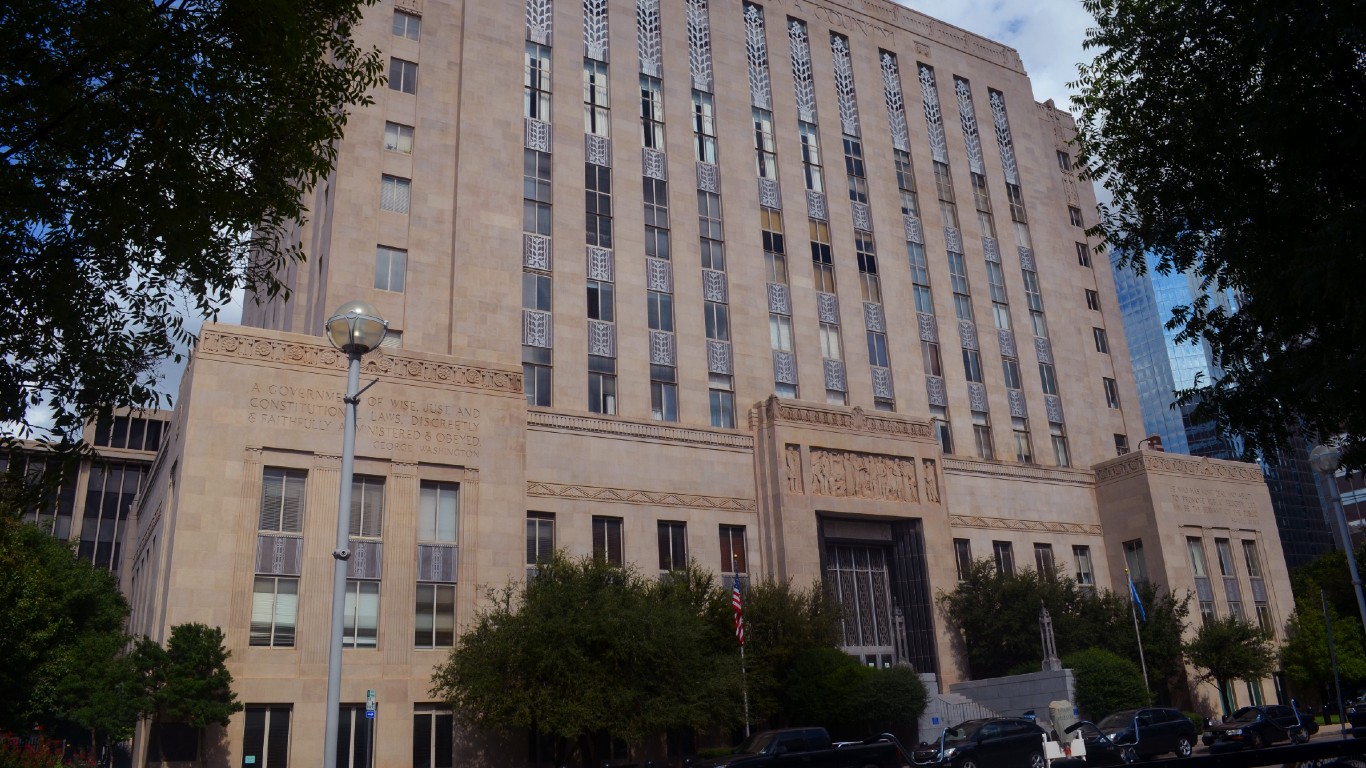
1064 716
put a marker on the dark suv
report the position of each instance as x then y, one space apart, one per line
998 742
1255 727
1159 730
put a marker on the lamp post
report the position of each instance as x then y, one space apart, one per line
1324 460
355 328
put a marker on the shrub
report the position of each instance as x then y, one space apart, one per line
1106 682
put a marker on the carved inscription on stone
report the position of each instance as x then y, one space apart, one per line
792 457
1194 501
385 424
863 476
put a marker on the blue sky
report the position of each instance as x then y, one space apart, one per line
1047 33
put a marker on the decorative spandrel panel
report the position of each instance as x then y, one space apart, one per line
882 382
803 87
719 357
647 37
934 119
935 391
602 338
968 117
1016 399
699 44
914 232
662 349
851 474
654 163
536 135
539 15
756 56
600 264
977 396
768 194
714 285
929 328
536 252
784 367
708 178
1003 140
991 249
844 85
779 299
1007 341
834 376
1053 407
896 103
659 275
872 317
815 206
863 216
598 150
536 328
827 307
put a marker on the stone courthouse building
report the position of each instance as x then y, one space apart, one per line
789 287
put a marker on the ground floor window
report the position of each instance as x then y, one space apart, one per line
265 737
433 737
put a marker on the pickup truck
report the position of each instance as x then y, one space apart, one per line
810 748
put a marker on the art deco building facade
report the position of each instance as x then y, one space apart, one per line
788 288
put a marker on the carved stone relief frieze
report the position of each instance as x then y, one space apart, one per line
792 458
931 482
863 476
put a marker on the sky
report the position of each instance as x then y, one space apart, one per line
1047 33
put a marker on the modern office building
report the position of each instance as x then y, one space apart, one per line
1162 366
785 288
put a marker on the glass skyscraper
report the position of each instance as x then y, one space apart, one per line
1162 366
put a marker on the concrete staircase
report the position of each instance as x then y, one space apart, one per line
945 709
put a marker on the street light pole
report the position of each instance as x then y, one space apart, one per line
355 328
1325 460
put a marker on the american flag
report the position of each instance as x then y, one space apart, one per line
738 604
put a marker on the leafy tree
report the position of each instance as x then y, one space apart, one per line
1229 133
187 681
1231 648
997 618
1106 682
588 648
155 157
782 625
62 619
1305 657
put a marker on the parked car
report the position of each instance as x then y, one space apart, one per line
994 742
1257 726
1148 732
808 748
1356 716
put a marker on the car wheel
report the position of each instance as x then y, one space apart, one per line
967 762
1184 746
1036 760
1128 755
1255 740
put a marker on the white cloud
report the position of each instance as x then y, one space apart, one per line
1047 33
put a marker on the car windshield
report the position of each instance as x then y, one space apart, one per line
1117 720
1245 715
757 744
963 731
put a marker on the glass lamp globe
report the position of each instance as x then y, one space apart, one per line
356 326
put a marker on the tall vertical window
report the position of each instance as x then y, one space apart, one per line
536 192
536 361
943 184
596 107
361 615
981 433
1225 554
866 250
1005 557
434 616
811 156
1092 300
1083 255
391 264
673 546
1121 444
1058 434
1034 297
402 75
438 512
398 138
734 554
651 113
721 399
905 182
939 420
929 353
703 127
367 506
958 274
1024 453
394 193
1049 378
602 384
282 500
1086 576
540 541
962 556
274 611
1102 340
597 194
536 82
972 365
1043 560
854 169
607 542
407 25
822 257
433 737
920 277
1074 214
663 393
354 748
1000 306
1133 560
765 150
1111 392
265 735
775 245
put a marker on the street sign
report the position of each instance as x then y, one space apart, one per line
370 713
370 702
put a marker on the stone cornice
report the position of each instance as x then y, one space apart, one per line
563 422
1169 464
1011 524
383 363
953 466
854 419
635 496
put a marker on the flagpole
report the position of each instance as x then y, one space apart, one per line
744 688
737 603
1133 612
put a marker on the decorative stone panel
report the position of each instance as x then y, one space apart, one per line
968 117
1026 258
1016 399
1053 407
708 178
844 85
768 194
863 216
872 317
1003 141
280 555
537 135
1007 341
779 299
914 233
953 239
595 29
934 389
539 14
719 357
699 45
784 367
815 206
991 249
882 382
537 328
896 106
437 562
659 275
802 85
714 285
662 348
367 559
756 55
934 120
647 37
654 164
834 376
977 396
1043 349
536 252
929 327
597 150
827 307
600 266
602 338
967 334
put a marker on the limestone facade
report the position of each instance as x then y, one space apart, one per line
835 429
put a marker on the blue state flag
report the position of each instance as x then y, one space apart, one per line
1133 595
